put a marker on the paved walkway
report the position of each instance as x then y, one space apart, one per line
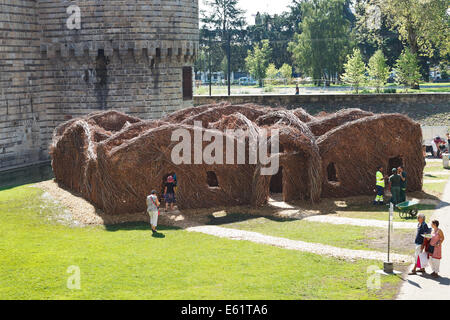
316 248
361 222
427 288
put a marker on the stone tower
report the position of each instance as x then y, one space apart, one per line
60 59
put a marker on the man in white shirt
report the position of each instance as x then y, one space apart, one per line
153 210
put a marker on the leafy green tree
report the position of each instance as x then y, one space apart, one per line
407 69
378 70
355 69
321 47
279 30
257 60
272 72
372 31
227 20
422 24
286 72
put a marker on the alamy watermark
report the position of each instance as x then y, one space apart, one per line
224 146
373 279
74 280
73 22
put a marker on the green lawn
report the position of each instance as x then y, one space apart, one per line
432 172
125 262
344 236
437 187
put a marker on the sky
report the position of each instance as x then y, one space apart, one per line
253 6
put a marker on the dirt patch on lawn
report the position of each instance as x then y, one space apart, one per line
402 241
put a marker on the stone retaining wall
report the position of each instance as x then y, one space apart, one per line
413 104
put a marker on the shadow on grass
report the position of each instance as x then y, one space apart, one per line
137 226
234 217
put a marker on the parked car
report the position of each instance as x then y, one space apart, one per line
245 81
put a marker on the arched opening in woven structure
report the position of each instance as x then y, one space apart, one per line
276 182
211 179
332 173
394 163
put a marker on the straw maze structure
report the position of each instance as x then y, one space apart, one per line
114 160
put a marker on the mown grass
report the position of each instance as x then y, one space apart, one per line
433 171
343 236
125 262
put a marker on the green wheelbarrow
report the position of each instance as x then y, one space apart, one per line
408 209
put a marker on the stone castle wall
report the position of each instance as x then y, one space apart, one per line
127 55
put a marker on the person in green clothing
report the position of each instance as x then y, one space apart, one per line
402 174
395 186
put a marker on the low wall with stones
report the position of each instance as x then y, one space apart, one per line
418 106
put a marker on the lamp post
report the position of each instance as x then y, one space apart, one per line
388 266
210 75
229 62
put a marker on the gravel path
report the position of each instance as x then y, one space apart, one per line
316 248
361 222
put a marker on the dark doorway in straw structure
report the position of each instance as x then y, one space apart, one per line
276 182
394 163
211 179
331 173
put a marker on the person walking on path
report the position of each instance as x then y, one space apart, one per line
422 228
395 186
402 174
436 245
379 186
169 193
153 210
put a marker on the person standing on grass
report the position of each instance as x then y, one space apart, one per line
379 186
402 174
153 210
437 237
169 192
422 228
395 183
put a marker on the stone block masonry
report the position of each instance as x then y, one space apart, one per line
426 108
127 55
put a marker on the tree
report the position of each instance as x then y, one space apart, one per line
258 60
372 32
407 69
321 47
422 24
271 72
286 72
355 69
279 30
224 15
378 70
